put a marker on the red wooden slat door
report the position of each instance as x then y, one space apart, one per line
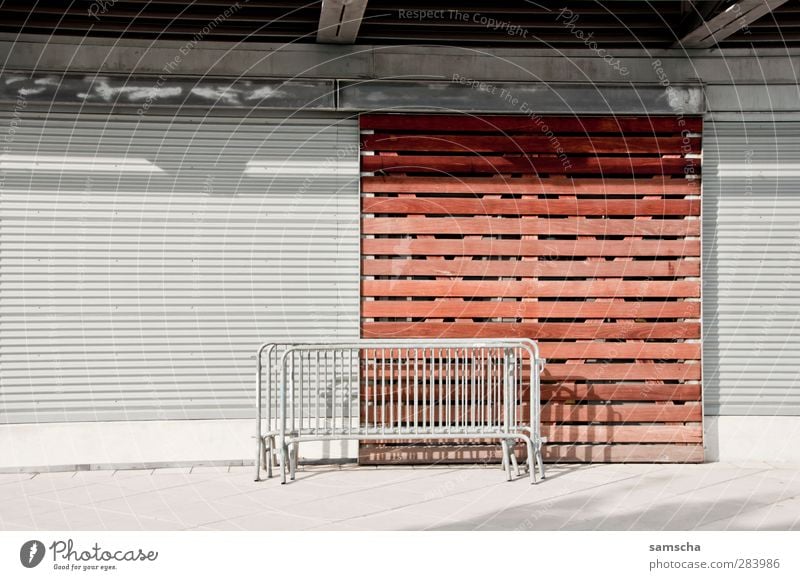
581 233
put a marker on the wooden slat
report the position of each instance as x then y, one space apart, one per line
552 330
560 268
621 371
564 453
623 434
562 226
541 309
623 453
521 207
529 144
479 413
535 165
531 185
378 414
575 350
507 123
550 248
409 384
621 413
560 289
604 371
625 350
621 392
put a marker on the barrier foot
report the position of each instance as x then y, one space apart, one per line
284 456
514 463
530 460
506 458
269 458
540 461
293 460
259 455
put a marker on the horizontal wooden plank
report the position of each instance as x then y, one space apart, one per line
370 454
599 371
531 226
530 268
383 413
423 412
620 371
622 453
621 392
623 433
613 350
530 288
617 124
414 386
639 330
605 371
620 413
547 248
452 206
579 186
530 165
464 143
539 309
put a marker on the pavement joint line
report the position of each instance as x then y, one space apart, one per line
351 492
667 496
388 510
765 504
82 485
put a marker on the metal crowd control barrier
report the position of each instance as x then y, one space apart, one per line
398 390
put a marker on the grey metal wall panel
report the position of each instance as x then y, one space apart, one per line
143 259
463 94
751 278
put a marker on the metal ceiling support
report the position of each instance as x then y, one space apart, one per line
738 16
339 21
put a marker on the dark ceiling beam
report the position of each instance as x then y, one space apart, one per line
339 21
738 16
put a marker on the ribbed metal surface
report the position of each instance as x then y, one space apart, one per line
751 278
142 260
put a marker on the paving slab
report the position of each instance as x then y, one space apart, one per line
713 496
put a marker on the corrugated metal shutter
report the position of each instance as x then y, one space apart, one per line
751 277
143 259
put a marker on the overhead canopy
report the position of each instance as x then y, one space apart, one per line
568 24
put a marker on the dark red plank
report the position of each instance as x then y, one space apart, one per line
547 248
536 331
532 185
530 144
516 207
543 226
510 123
494 164
620 413
563 269
541 309
621 392
530 288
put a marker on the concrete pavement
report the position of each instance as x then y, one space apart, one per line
714 496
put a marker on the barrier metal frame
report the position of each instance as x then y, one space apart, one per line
280 442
